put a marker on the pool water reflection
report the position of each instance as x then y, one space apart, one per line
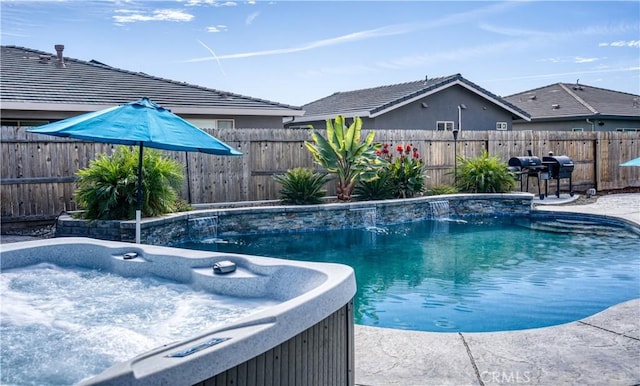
476 276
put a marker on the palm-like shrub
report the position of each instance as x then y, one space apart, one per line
345 154
441 189
380 188
107 189
484 174
302 186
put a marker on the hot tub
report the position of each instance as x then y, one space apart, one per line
304 336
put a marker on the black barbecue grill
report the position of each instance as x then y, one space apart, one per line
549 168
558 167
527 167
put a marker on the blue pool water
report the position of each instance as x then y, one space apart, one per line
484 275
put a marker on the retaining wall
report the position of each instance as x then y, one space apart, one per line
220 222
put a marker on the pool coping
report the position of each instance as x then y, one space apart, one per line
601 349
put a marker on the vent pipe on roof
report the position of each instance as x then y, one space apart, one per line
59 48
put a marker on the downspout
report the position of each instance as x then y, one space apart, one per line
593 124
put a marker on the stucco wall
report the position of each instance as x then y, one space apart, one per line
479 114
570 124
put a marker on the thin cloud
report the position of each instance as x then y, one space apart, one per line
524 40
587 31
569 59
217 28
416 61
396 29
621 43
552 60
251 18
215 3
362 35
579 59
457 55
129 16
512 32
213 54
560 74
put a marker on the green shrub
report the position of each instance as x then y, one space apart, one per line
380 188
107 189
401 176
484 174
181 205
406 168
345 154
302 186
442 189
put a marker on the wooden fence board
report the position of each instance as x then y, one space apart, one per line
37 171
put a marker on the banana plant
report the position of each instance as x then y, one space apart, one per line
342 153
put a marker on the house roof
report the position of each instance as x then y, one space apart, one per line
565 100
372 102
36 80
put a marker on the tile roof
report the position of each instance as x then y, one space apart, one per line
565 100
35 77
372 102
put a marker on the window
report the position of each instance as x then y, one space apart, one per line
580 129
444 126
224 124
627 129
213 124
502 126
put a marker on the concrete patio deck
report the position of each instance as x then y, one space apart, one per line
603 349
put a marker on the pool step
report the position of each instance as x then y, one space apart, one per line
574 226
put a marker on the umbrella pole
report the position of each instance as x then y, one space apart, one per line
139 208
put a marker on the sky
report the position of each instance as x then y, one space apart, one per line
296 52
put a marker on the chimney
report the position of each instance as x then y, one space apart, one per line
59 48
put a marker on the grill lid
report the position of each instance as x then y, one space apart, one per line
523 162
561 160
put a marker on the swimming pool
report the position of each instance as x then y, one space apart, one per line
480 275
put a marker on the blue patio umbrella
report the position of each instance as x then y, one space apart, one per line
633 162
141 123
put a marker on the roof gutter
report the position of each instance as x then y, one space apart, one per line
324 117
85 108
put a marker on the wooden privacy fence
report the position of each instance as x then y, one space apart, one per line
38 172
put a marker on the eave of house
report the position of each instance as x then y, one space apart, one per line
578 117
82 108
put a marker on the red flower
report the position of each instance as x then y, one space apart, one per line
416 154
400 148
408 149
378 152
